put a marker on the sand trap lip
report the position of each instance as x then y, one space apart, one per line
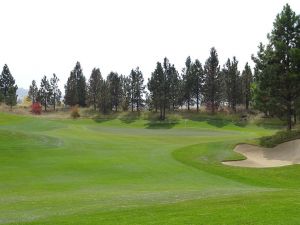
284 154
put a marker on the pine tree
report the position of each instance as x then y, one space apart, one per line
75 89
45 92
278 67
188 82
247 80
55 91
232 83
8 88
104 99
153 97
11 97
115 90
197 77
157 86
261 90
212 81
33 92
71 91
126 92
173 86
137 88
94 87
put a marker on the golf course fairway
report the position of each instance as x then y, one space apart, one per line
136 171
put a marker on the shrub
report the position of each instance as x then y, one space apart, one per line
36 108
75 112
279 137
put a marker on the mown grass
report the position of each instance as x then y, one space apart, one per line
131 169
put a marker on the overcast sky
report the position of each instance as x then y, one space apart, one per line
45 37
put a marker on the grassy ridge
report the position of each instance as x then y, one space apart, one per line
135 170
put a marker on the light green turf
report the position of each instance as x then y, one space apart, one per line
137 171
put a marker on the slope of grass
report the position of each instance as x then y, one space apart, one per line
135 170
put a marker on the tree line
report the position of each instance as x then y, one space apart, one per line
273 86
167 88
48 93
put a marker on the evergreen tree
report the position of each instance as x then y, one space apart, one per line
75 89
247 80
188 82
197 77
71 91
33 92
126 92
55 91
173 86
157 86
212 81
7 87
153 97
94 87
104 99
277 66
137 88
45 92
11 97
261 90
115 90
232 83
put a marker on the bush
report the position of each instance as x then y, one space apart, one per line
36 108
75 112
279 137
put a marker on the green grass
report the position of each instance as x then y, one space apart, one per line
279 137
132 169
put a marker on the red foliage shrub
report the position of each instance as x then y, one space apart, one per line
36 108
75 112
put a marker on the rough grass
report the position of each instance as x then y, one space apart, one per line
131 169
279 137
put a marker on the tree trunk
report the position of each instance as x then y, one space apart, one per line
164 112
289 116
161 115
197 102
247 104
54 101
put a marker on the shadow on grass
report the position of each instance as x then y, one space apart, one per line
155 123
218 120
270 123
161 124
129 117
100 118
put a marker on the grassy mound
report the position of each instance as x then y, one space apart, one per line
279 137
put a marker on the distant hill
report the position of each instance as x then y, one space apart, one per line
21 92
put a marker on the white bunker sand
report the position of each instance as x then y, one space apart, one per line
287 153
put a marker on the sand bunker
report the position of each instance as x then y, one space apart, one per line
287 153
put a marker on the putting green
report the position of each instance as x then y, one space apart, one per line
117 171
